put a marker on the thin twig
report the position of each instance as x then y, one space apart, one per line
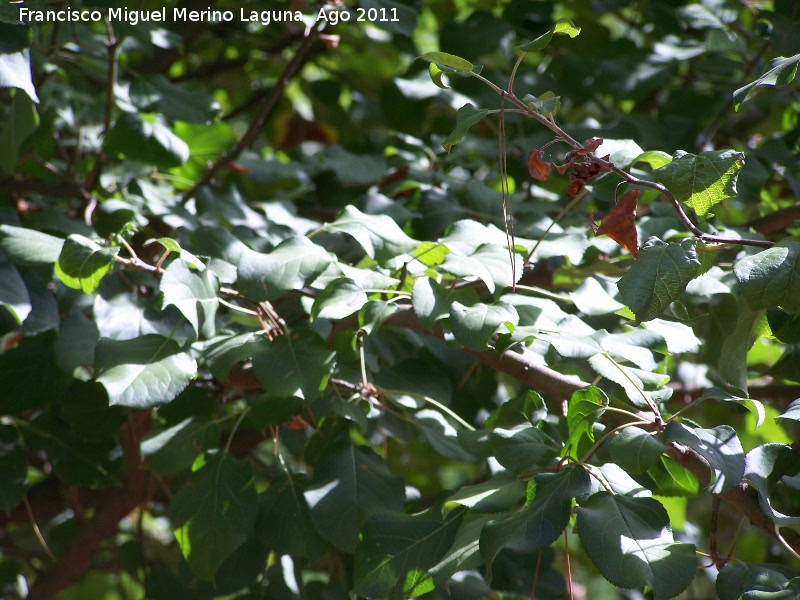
37 532
269 103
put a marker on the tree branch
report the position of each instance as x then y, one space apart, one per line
269 103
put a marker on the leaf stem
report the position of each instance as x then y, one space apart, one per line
235 428
435 403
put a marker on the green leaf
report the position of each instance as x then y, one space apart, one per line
545 104
290 266
284 521
13 292
14 35
29 375
720 447
466 117
173 246
146 371
756 407
146 139
772 277
639 385
206 143
294 365
194 294
489 262
780 71
783 326
630 541
340 298
176 448
562 26
474 326
379 235
441 435
792 412
214 514
21 122
13 470
464 553
586 406
223 352
15 72
374 314
520 448
498 493
28 247
432 301
188 102
449 60
350 483
750 581
436 73
658 277
702 180
764 468
76 342
396 551
82 263
655 158
542 521
635 449
732 364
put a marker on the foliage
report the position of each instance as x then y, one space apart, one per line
320 308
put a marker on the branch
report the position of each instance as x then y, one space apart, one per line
77 556
269 103
564 136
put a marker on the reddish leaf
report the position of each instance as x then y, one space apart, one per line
593 144
575 185
538 168
620 223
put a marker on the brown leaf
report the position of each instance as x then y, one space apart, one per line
587 170
593 144
539 169
620 223
575 185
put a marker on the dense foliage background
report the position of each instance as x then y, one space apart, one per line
263 336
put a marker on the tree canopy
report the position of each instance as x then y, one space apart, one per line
400 298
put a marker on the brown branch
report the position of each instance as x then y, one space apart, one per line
266 108
77 557
778 221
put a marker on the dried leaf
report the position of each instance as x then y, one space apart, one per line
592 144
620 223
575 185
539 169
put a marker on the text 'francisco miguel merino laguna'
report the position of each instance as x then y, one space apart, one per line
133 17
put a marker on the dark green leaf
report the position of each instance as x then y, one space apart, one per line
13 472
635 449
761 466
441 435
29 375
15 71
748 581
719 446
396 551
294 365
379 235
190 103
13 292
290 266
542 521
585 409
284 521
83 263
194 294
783 326
702 180
146 371
474 326
490 263
146 139
780 71
466 117
500 492
176 448
223 352
432 301
732 363
21 122
520 448
772 277
658 277
29 248
350 484
214 514
562 26
465 552
14 36
340 298
630 541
